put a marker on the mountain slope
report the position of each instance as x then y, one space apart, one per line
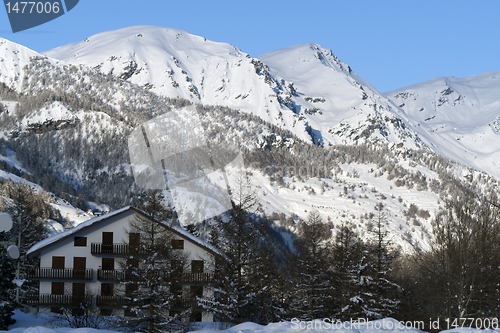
458 117
343 107
174 63
13 58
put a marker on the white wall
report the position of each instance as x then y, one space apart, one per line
118 225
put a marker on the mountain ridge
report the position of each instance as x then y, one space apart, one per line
221 74
304 88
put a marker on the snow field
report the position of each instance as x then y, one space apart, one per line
44 323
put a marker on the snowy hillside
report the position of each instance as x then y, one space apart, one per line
340 107
458 117
55 115
13 58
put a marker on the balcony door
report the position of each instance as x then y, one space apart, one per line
196 266
107 242
58 262
108 267
79 267
79 302
107 293
134 240
57 296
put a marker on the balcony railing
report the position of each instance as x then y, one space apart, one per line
100 301
186 303
110 301
57 300
115 275
198 277
110 275
110 249
60 274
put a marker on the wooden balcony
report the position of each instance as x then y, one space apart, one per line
60 274
198 278
50 300
118 249
119 276
110 275
185 303
56 300
110 301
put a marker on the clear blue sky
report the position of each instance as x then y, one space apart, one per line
389 43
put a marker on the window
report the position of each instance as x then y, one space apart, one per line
79 267
196 266
78 291
177 244
195 316
130 289
80 241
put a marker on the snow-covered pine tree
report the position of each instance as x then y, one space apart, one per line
239 240
381 294
153 279
156 206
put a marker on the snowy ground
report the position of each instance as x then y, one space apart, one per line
43 324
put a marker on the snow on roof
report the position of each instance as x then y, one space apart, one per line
84 225
197 240
67 233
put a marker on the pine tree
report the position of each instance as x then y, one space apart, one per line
239 239
29 208
153 272
268 283
347 262
238 235
155 205
313 284
7 300
458 277
381 293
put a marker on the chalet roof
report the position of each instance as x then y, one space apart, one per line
181 232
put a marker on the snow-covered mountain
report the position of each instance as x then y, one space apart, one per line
304 89
458 117
66 121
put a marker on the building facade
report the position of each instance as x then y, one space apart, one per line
86 264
